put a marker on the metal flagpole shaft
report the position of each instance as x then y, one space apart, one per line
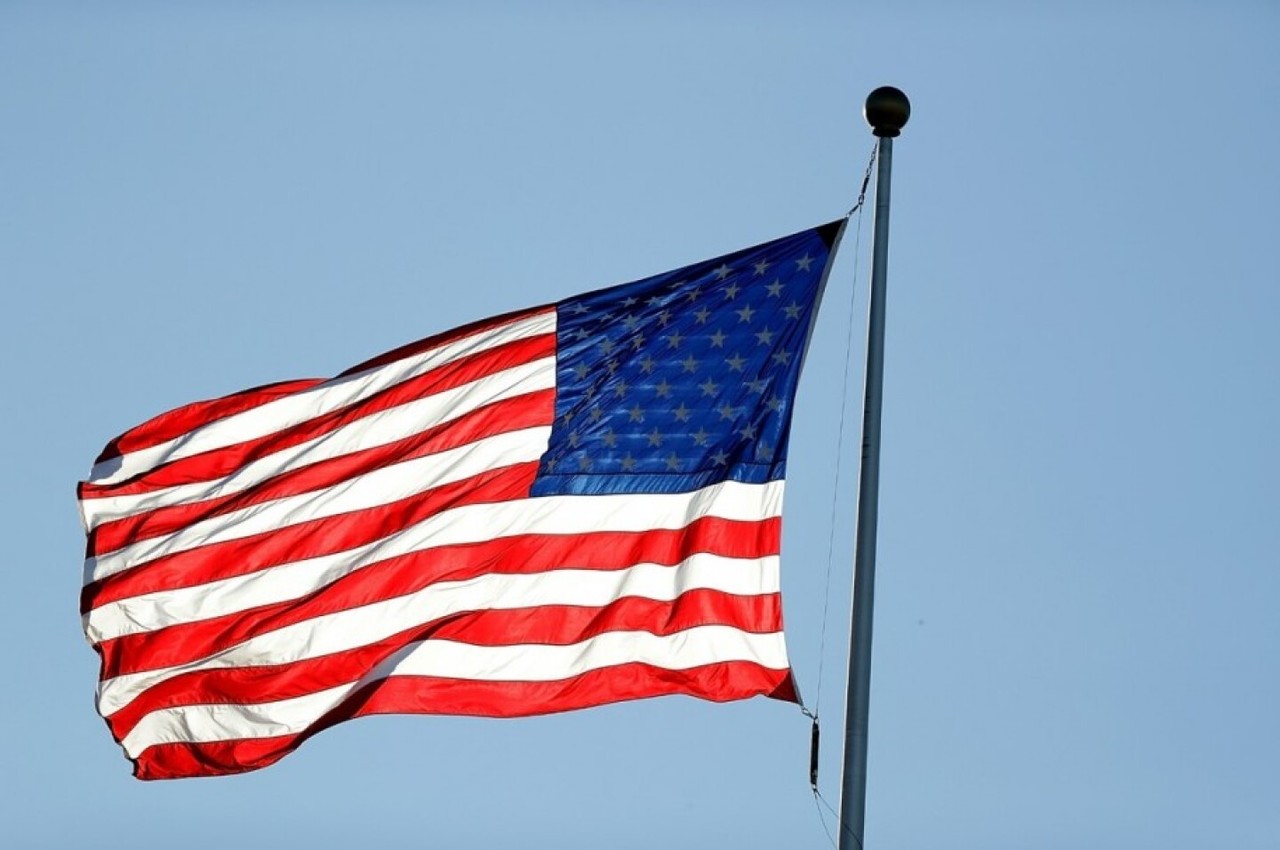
887 110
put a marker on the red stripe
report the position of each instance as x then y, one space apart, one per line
556 625
421 695
182 420
218 463
413 349
179 421
306 539
526 554
498 417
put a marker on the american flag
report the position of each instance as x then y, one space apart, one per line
553 509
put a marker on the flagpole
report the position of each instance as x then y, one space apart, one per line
887 110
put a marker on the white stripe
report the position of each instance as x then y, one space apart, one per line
380 487
315 401
356 627
152 611
378 429
446 659
730 500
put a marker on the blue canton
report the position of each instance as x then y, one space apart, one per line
687 378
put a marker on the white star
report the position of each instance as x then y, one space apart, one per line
621 389
709 387
717 340
783 358
725 411
609 438
637 415
745 314
761 266
673 462
720 458
674 340
804 262
628 463
681 413
689 364
774 404
735 363
692 294
663 389
722 272
775 289
647 364
792 310
630 301
748 431
581 371
579 308
731 291
700 437
584 463
765 336
702 315
655 438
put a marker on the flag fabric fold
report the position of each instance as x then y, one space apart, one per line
553 509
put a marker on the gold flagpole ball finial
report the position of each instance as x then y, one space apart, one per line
887 110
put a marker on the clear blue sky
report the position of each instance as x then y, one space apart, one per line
1077 640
